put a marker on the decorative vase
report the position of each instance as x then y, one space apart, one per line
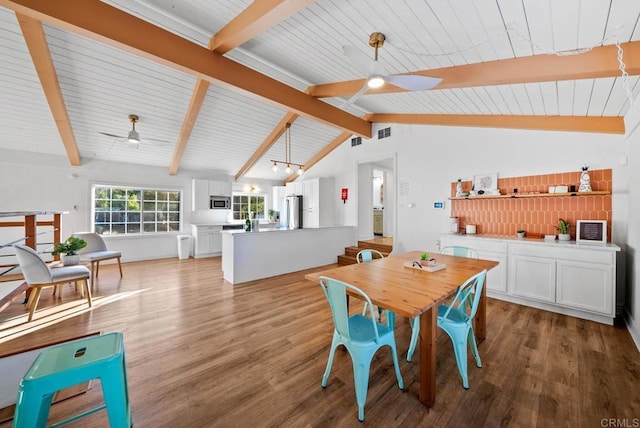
68 260
564 237
520 235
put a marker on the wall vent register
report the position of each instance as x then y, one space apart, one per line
384 133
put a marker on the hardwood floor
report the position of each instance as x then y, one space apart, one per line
203 353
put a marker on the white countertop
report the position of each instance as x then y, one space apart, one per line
280 230
537 241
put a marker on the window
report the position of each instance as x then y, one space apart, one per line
126 210
245 203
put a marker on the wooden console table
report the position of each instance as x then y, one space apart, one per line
30 225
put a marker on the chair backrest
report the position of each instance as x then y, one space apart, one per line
365 256
34 269
336 293
94 242
459 251
468 296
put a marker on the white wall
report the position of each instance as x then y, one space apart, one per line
48 183
633 241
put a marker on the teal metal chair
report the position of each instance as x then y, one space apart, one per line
362 336
460 252
72 363
366 256
456 319
452 250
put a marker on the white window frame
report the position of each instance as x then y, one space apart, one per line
262 215
170 214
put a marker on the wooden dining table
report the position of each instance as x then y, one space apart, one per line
415 292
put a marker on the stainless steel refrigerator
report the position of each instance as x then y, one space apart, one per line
294 212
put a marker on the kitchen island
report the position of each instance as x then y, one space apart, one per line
247 256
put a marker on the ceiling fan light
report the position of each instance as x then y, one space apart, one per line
375 81
134 137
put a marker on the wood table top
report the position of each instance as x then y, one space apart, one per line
405 291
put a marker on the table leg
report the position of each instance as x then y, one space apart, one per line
428 325
480 321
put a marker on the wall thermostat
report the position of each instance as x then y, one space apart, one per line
438 205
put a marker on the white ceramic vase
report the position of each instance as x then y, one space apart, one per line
71 260
564 237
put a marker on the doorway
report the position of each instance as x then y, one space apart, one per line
376 201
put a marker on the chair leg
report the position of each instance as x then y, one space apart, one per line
87 290
474 348
120 267
93 272
97 268
33 301
396 364
332 353
361 367
459 341
415 335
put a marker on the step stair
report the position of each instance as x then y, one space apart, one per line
349 256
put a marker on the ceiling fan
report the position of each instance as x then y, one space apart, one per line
376 75
133 137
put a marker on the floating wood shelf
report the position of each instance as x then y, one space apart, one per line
534 195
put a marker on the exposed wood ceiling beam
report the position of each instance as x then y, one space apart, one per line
607 125
599 62
277 132
39 49
102 22
334 144
259 16
199 92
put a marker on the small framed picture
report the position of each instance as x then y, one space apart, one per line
591 231
485 182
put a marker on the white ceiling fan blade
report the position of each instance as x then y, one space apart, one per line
155 140
413 82
362 62
111 135
355 97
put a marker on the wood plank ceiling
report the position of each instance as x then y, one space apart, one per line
493 56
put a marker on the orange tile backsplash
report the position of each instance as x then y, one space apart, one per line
535 215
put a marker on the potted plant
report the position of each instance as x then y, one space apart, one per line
520 233
563 230
424 259
69 249
272 213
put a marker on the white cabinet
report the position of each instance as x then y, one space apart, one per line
318 203
564 277
578 277
207 240
488 250
219 188
203 189
588 286
200 194
295 188
533 277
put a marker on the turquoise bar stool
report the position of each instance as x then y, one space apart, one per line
71 363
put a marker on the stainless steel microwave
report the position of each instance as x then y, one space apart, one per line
220 203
